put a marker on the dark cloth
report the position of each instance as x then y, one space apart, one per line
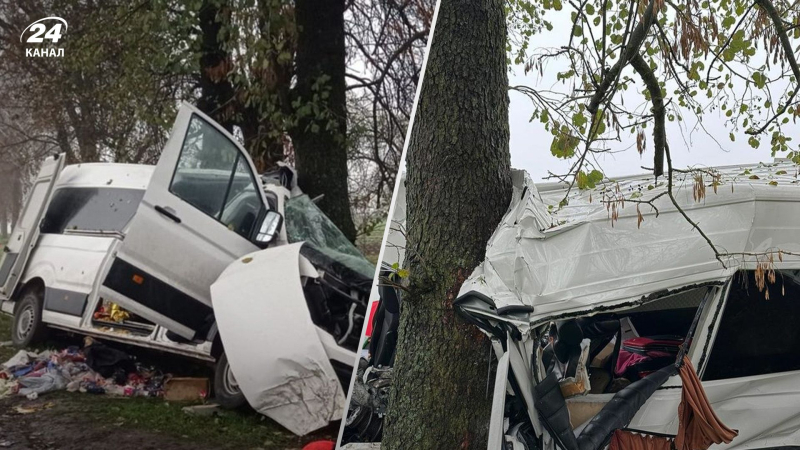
109 362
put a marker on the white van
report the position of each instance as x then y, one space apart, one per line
590 310
129 252
589 307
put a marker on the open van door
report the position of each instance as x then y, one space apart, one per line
203 208
26 230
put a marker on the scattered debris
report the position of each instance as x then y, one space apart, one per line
320 445
95 369
30 409
184 388
202 410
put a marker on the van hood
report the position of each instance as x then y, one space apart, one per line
272 345
555 259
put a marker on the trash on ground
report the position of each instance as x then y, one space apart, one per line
202 410
94 369
181 389
320 445
33 408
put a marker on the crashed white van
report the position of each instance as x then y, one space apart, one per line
589 315
592 313
193 256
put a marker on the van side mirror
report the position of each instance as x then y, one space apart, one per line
270 227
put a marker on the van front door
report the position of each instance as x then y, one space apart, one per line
201 211
26 230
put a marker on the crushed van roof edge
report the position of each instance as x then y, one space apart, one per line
575 257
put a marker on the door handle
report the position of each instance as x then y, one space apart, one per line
166 212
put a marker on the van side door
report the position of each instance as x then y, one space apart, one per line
26 230
202 209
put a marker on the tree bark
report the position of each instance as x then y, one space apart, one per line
216 91
321 154
458 188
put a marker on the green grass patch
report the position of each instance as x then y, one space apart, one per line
370 244
6 352
229 429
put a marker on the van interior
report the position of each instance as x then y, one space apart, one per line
597 371
111 317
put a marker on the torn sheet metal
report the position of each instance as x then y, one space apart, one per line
762 408
272 345
570 258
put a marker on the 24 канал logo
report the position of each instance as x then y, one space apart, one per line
42 32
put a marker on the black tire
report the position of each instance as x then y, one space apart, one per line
28 327
226 391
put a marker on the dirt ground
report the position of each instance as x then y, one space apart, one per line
64 424
62 420
79 421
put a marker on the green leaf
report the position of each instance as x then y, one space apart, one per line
590 180
760 79
564 145
578 119
728 22
595 176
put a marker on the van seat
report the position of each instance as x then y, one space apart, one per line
617 413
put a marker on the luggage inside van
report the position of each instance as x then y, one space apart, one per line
641 356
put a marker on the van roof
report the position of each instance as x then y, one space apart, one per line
605 246
114 175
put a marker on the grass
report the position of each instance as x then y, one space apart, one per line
370 244
5 336
229 429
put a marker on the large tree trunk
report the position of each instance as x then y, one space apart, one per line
321 150
458 188
216 91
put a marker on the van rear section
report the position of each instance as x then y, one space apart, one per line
83 217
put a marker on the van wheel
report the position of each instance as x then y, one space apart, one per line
226 389
28 327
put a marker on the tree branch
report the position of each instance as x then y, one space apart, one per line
788 51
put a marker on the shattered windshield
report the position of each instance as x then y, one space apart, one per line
306 222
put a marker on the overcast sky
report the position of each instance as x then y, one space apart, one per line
530 142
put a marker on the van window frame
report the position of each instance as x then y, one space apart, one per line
239 154
736 283
98 190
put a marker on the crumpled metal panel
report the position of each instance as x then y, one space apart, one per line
272 345
764 409
576 258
